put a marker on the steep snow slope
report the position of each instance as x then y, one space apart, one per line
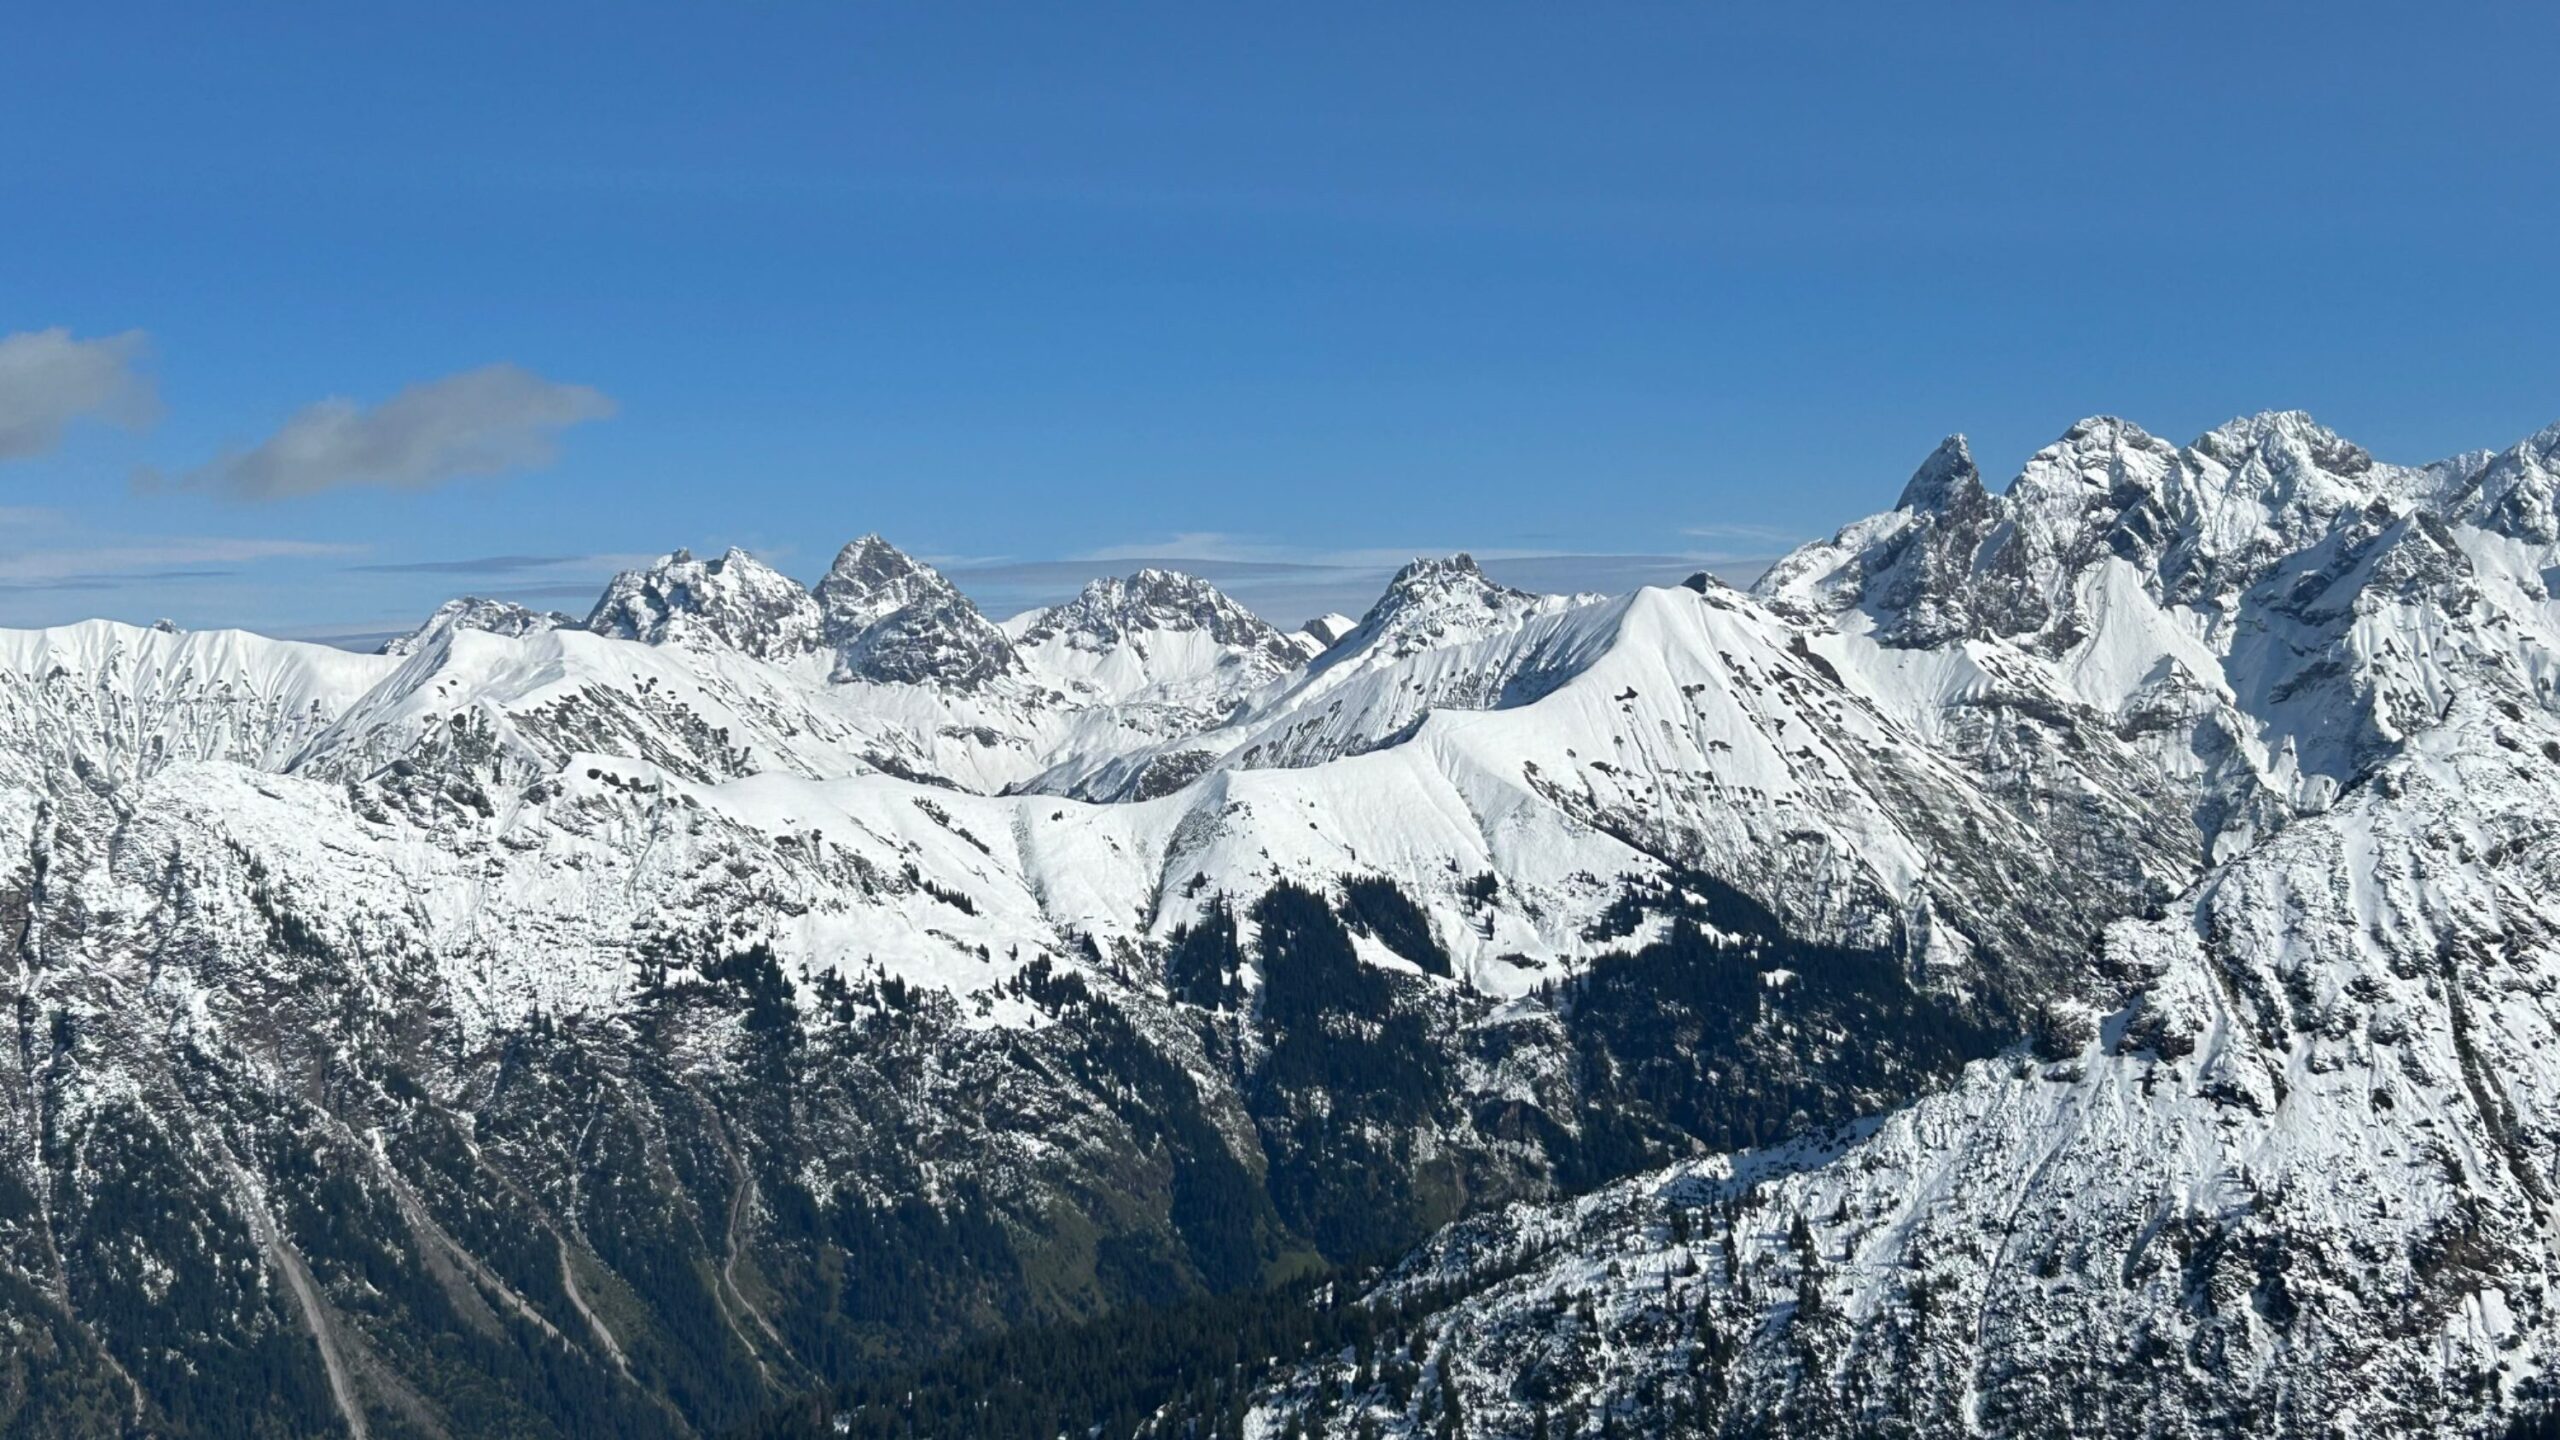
2298 1178
1699 730
110 703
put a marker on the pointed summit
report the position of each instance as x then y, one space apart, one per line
2274 431
869 580
1436 601
1948 475
736 601
892 618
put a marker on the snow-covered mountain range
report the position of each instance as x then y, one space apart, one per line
2076 957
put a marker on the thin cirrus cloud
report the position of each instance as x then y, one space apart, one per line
138 562
48 380
474 565
112 582
487 421
158 554
1762 539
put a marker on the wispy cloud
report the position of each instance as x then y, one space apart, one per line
1190 545
48 380
557 590
113 582
474 565
164 557
481 422
1766 535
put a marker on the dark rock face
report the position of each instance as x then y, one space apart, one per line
1924 582
894 620
738 1187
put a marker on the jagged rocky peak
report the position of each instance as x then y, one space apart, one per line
892 618
2283 441
870 580
473 612
1430 582
1434 601
1111 611
1922 580
2514 492
2290 475
2198 524
2292 469
736 601
1912 568
1948 477
2096 458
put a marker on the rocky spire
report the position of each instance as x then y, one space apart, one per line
894 619
1947 477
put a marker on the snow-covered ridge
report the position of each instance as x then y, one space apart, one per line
2033 659
115 701
472 612
1148 603
1433 603
2222 772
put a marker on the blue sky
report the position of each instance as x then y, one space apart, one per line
1286 292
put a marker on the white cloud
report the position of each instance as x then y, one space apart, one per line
480 422
48 380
